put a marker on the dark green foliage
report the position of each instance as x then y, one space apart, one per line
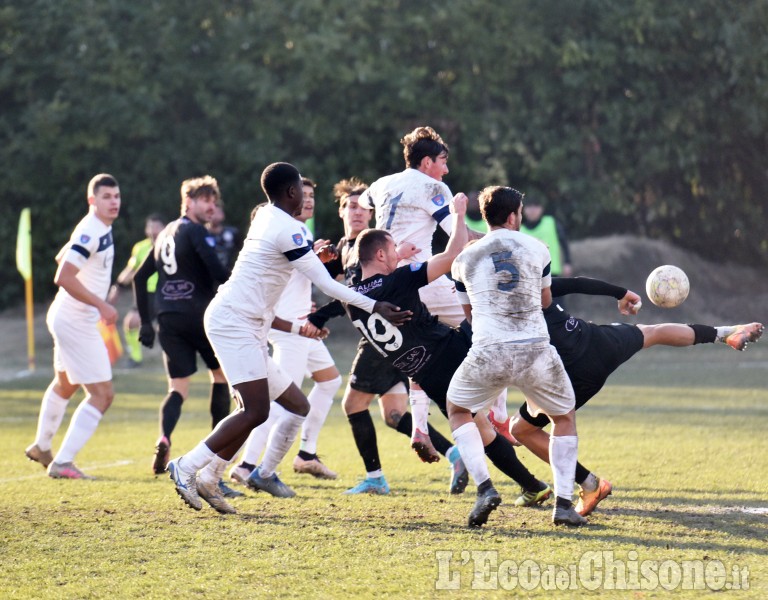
646 117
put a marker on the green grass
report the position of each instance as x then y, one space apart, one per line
680 433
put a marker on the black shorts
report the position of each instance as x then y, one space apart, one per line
371 373
182 337
609 347
437 378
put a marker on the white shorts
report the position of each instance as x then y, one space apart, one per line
299 357
535 369
242 352
78 348
441 300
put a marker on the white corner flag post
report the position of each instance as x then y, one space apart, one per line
24 265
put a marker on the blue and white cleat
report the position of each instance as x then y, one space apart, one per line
459 473
371 485
271 485
186 484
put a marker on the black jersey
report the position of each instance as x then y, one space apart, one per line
188 270
569 335
346 263
412 347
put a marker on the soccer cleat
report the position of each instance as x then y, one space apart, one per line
162 456
240 473
423 445
44 457
502 428
588 501
211 493
271 485
371 485
227 491
529 498
459 473
186 484
743 334
567 516
485 504
313 467
66 471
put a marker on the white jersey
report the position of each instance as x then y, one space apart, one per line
296 299
501 276
92 250
276 244
410 205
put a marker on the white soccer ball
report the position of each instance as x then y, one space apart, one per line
667 286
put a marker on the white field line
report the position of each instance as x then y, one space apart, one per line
87 467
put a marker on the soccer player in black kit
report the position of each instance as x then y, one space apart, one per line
370 374
189 271
592 352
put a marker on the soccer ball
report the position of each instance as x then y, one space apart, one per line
667 286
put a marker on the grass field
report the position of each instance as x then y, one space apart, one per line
679 432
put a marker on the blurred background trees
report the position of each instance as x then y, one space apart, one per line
647 116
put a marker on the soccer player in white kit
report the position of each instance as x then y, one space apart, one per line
410 205
504 281
237 323
296 356
80 357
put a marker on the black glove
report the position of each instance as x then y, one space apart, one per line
147 335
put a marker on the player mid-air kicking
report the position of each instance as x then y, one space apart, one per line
591 353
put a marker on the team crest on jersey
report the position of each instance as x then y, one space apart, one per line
210 241
416 266
438 200
298 239
105 241
84 239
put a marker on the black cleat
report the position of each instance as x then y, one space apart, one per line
485 504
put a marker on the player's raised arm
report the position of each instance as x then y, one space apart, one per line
440 264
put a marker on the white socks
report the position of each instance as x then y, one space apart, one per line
724 331
473 453
562 457
52 412
84 422
196 459
419 409
257 440
280 442
214 471
499 407
320 401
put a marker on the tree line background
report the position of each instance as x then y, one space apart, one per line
643 116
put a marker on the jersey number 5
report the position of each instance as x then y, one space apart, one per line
168 255
502 261
391 338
